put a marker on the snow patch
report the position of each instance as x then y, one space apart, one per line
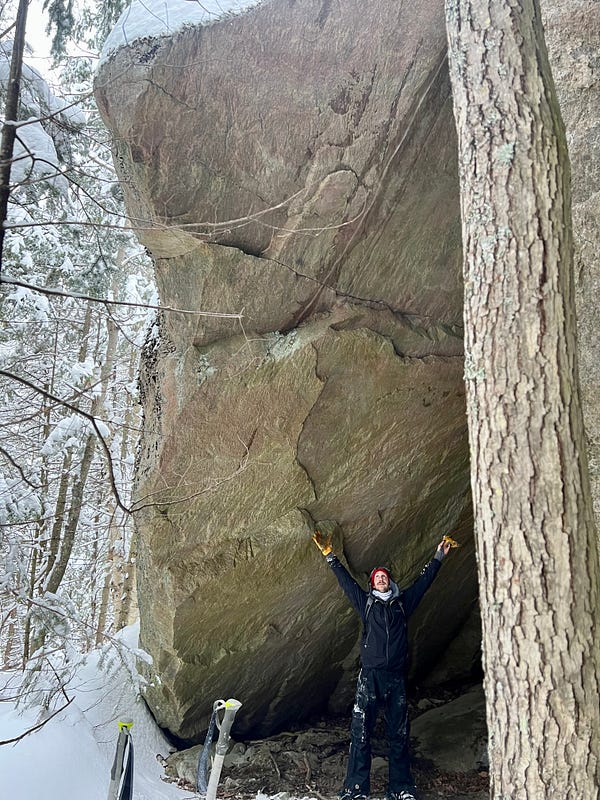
71 755
82 371
102 429
36 94
35 156
150 18
281 346
64 434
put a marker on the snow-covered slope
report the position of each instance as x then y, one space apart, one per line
71 756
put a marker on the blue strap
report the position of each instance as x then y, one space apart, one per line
202 779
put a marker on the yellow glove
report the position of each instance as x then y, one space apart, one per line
324 544
450 541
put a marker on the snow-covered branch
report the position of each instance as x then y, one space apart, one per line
100 428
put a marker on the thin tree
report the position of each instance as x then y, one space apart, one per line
537 552
13 95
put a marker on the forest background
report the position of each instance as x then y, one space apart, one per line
77 308
77 305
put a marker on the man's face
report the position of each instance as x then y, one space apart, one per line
381 582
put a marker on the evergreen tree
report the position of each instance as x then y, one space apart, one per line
85 22
68 405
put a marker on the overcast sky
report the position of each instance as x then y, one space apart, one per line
35 31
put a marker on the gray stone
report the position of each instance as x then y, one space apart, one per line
296 165
573 38
461 661
453 737
183 764
340 401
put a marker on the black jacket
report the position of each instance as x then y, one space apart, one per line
384 641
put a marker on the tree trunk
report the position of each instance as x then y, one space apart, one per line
537 554
9 131
11 619
128 607
104 598
56 575
68 535
60 510
28 649
129 599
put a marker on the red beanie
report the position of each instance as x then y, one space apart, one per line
379 569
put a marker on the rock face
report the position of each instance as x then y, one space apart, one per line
573 40
295 165
294 168
454 736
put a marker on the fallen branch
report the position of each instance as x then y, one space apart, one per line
275 765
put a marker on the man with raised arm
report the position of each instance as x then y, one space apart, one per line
384 610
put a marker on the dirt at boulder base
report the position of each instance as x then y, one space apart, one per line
311 762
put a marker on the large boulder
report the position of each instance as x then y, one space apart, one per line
573 40
295 165
453 736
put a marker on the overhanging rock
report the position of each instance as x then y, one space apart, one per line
296 164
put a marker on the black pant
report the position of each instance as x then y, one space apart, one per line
376 688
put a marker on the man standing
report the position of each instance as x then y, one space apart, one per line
384 610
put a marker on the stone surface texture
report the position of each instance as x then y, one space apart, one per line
573 39
295 165
454 736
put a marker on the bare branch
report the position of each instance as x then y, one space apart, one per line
37 727
242 466
208 230
77 296
6 31
91 419
53 114
18 467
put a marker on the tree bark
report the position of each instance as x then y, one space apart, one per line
537 553
59 566
60 510
129 600
128 608
27 632
11 621
9 131
100 626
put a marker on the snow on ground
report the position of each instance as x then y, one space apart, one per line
147 18
70 757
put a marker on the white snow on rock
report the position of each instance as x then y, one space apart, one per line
151 18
